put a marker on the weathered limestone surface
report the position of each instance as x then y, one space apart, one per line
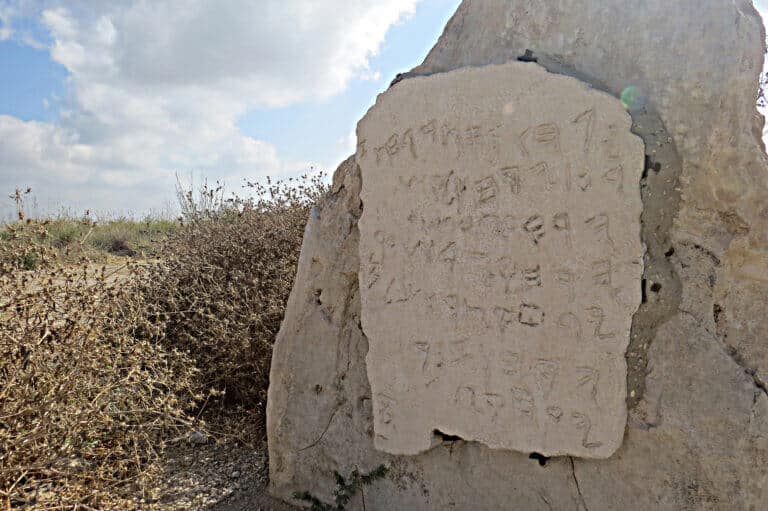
501 261
697 431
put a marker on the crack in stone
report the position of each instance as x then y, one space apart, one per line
576 481
735 356
335 411
730 350
542 493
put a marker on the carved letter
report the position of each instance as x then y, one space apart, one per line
522 399
490 404
474 314
535 227
597 316
511 176
571 322
543 170
562 223
588 377
568 279
386 404
472 135
407 141
555 412
588 118
546 372
615 175
465 397
583 424
486 189
544 134
448 190
600 224
379 151
531 315
392 146
532 276
399 291
612 149
448 254
430 129
602 272
458 352
510 363
504 317
423 347
447 133
584 180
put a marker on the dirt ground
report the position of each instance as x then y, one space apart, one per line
212 477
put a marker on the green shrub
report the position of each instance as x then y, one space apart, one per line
28 260
82 237
62 232
127 237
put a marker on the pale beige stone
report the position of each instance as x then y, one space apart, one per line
501 261
697 429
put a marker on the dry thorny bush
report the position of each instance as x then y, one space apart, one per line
100 368
221 291
87 396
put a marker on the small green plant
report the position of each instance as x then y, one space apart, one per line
63 232
28 260
345 489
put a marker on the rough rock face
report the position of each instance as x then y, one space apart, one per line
501 261
697 433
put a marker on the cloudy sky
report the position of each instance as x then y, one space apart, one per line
102 103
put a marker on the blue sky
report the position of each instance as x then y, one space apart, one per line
325 126
103 103
33 82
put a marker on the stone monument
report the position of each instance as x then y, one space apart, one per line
696 435
500 261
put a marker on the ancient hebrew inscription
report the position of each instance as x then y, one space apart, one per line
500 261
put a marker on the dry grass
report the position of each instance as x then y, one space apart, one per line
98 373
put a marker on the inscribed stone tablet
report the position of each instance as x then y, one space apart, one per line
500 261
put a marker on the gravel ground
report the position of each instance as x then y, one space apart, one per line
212 477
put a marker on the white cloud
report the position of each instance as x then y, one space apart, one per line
6 14
348 143
157 86
372 76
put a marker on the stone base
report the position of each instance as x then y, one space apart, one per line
697 433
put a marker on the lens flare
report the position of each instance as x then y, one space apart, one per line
632 98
